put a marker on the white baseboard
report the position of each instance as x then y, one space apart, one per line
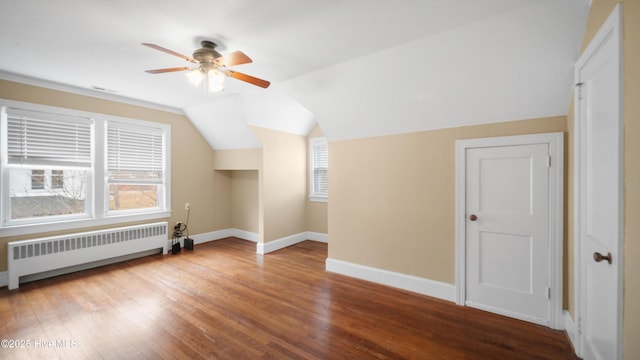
4 278
223 234
219 234
265 248
261 248
211 236
205 237
316 236
412 283
571 329
271 246
246 235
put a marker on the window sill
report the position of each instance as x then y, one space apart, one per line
315 198
78 224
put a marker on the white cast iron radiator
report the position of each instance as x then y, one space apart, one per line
27 257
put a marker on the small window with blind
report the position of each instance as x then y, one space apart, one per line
61 168
36 140
319 169
135 167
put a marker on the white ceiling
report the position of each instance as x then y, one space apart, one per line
345 62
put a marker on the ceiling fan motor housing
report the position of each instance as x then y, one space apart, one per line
207 53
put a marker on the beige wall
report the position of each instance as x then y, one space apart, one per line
317 215
221 200
244 200
239 171
191 177
393 197
600 10
282 184
238 159
631 33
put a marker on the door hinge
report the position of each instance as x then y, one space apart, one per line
548 293
579 325
579 89
548 161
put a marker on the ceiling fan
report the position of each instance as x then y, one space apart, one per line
212 65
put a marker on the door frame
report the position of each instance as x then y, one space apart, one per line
611 30
555 141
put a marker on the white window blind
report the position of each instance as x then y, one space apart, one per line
320 163
134 154
35 138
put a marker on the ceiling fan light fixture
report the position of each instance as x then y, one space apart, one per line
195 76
215 79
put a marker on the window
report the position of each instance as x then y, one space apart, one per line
37 179
62 168
35 139
57 179
319 176
134 167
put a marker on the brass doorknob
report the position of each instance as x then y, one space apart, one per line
473 217
599 257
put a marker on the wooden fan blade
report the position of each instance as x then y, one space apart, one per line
248 78
234 58
153 46
160 71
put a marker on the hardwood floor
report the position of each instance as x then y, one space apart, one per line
223 301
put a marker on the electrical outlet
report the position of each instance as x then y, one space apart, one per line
187 206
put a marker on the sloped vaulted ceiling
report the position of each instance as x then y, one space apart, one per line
513 66
358 67
225 123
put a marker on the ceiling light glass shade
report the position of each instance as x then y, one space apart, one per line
195 76
215 80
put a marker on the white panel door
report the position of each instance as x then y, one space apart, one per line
599 211
508 247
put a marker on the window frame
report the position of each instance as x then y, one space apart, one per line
313 196
97 205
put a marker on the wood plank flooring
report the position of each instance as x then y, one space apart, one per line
222 301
